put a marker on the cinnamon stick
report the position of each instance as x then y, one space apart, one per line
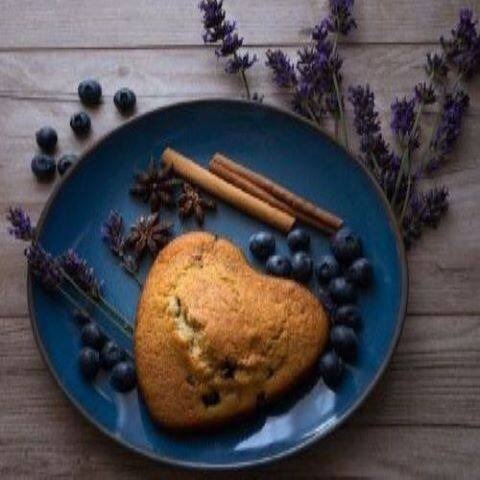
218 187
297 204
251 188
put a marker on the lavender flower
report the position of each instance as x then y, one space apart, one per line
283 69
114 239
240 63
412 224
403 122
436 67
436 204
44 266
217 29
448 131
113 233
424 210
367 126
463 48
425 93
229 46
315 80
340 19
81 273
21 226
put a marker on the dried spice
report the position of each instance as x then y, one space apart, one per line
191 202
155 186
149 234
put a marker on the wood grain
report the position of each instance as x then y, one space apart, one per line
434 377
423 420
30 97
150 23
171 74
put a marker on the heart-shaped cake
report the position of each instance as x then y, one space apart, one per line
214 339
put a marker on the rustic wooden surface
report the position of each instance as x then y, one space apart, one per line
423 420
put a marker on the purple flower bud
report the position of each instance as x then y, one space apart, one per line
112 233
21 226
403 118
43 266
239 63
340 19
436 204
230 44
448 131
283 69
81 273
462 49
425 94
436 67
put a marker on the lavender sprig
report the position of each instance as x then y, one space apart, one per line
81 273
462 49
424 210
217 29
445 136
340 19
114 238
21 226
113 233
44 266
315 80
403 122
69 269
416 210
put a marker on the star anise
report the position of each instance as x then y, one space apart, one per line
155 186
192 203
149 234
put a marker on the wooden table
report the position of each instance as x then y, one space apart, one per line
423 420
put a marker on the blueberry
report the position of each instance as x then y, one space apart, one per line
348 315
123 376
360 272
90 92
302 266
346 245
327 301
111 354
342 291
298 239
331 368
279 266
344 342
43 166
262 245
327 268
46 139
80 123
92 336
65 162
125 100
89 362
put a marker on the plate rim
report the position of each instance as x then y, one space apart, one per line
316 435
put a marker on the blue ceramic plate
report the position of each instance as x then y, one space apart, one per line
292 152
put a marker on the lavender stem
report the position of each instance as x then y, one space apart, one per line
105 306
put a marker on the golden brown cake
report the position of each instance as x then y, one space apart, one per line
214 338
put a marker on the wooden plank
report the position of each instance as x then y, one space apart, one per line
127 24
423 419
173 74
444 273
39 88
